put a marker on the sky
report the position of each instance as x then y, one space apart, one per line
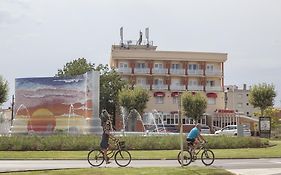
38 37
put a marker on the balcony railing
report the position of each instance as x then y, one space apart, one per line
141 70
160 86
195 72
159 71
213 88
195 88
177 87
124 70
215 72
177 71
144 86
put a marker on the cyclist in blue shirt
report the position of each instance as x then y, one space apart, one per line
194 136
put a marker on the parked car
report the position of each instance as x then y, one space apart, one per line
205 129
232 130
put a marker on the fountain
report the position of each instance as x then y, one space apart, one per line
151 121
129 119
19 124
159 116
124 115
136 114
70 114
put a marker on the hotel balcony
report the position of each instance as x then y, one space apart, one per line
195 72
215 72
160 87
141 70
177 71
159 71
195 88
213 88
124 70
174 87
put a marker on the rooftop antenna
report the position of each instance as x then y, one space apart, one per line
140 39
147 35
121 36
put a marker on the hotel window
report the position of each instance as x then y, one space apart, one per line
141 81
210 83
176 116
239 105
211 101
159 100
175 82
175 100
175 66
210 67
193 82
140 65
123 65
193 66
158 81
158 66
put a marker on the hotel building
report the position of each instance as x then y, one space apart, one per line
166 73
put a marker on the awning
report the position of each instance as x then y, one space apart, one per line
225 111
212 95
174 94
159 94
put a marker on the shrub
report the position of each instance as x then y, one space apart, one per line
87 142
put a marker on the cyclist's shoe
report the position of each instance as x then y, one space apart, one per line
108 162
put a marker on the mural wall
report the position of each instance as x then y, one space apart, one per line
57 105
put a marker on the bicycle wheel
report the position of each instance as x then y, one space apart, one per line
207 157
122 158
95 157
187 158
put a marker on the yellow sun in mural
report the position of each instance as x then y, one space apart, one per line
43 112
42 120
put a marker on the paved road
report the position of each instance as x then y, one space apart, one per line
237 166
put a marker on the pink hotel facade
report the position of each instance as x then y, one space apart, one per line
166 73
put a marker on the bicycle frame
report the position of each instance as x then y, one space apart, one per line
201 147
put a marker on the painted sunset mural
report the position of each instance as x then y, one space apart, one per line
53 104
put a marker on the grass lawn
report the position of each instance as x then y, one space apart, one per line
274 151
131 171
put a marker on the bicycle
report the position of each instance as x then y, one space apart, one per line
207 156
122 157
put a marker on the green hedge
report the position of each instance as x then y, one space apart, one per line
87 142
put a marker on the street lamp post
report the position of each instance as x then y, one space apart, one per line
225 99
181 127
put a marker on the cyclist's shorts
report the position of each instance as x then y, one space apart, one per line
190 140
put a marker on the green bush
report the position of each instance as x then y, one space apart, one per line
87 142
